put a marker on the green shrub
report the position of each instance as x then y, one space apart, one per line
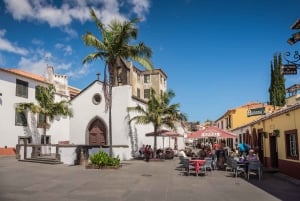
102 159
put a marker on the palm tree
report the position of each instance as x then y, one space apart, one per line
159 112
47 106
114 46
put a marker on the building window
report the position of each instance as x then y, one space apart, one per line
146 78
228 122
41 120
138 93
147 93
21 88
20 119
291 143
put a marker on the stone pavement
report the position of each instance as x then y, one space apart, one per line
135 181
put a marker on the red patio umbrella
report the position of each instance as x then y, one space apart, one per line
159 132
164 133
212 131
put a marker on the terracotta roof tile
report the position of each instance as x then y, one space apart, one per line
27 74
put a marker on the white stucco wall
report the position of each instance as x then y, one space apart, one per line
9 132
75 129
123 134
85 112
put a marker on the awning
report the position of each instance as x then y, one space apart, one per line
164 133
211 131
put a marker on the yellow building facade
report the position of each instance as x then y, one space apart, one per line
242 115
276 140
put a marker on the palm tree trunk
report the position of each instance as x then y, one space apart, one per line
155 141
44 130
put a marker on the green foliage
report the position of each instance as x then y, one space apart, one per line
46 106
277 85
159 112
114 45
102 159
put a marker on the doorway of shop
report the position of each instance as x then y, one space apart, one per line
273 151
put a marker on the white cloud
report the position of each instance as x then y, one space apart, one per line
6 45
62 66
40 59
66 48
2 32
19 9
32 65
38 64
140 7
58 45
2 60
53 16
37 42
79 72
68 11
71 32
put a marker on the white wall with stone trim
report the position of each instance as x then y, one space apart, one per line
75 129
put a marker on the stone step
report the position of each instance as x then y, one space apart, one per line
52 161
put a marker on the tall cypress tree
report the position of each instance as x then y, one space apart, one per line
271 88
277 86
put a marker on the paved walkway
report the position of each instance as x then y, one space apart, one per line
135 181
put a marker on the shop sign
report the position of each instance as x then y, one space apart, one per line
289 69
211 134
256 111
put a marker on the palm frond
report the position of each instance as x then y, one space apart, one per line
98 22
146 63
91 40
92 56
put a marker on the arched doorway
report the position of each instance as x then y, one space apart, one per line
97 133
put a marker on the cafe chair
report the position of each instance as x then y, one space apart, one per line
255 167
188 166
237 169
207 166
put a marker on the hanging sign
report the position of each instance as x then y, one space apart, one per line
210 134
289 69
256 111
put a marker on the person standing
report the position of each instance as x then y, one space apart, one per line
221 155
147 153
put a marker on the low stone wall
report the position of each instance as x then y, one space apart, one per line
69 154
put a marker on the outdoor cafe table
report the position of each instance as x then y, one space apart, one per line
197 163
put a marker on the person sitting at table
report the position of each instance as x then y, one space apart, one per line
201 154
252 156
182 153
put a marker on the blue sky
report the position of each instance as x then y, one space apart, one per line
216 53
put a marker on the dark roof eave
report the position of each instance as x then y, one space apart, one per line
296 25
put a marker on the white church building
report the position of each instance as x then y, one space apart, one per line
89 125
